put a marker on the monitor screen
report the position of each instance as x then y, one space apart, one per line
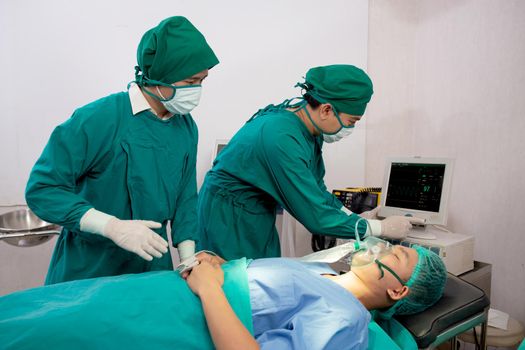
417 187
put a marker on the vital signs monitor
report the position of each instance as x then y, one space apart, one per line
417 187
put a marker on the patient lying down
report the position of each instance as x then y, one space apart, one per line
273 303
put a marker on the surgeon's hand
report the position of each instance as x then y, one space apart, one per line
370 214
397 227
205 277
136 236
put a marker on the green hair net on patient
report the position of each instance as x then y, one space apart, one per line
426 286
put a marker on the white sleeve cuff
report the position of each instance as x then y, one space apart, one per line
374 227
186 249
94 221
346 210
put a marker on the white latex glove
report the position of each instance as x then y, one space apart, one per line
370 214
374 226
395 227
186 249
137 237
346 210
132 235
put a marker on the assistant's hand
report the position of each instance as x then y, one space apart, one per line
136 236
397 227
205 277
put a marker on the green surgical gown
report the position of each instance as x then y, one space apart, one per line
130 166
272 161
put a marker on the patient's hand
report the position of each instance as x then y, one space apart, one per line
205 277
203 256
212 259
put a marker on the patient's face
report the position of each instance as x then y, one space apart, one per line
402 260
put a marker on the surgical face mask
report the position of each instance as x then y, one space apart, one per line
184 100
341 134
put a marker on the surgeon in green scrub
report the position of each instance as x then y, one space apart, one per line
121 167
276 159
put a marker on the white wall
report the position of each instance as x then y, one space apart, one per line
58 55
450 81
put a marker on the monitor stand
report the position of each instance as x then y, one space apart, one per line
421 232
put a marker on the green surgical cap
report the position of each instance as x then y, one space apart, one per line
347 88
426 285
173 51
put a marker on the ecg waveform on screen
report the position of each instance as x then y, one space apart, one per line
415 186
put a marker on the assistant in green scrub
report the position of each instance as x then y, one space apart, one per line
122 166
276 159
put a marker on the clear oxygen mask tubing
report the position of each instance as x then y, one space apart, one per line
368 250
355 253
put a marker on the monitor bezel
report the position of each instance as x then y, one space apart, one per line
215 152
431 218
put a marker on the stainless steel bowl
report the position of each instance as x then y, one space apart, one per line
28 239
22 228
22 220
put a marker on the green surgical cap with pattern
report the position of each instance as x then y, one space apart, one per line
347 88
173 51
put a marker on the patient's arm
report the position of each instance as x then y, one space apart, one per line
226 329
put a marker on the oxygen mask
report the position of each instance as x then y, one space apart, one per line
370 250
